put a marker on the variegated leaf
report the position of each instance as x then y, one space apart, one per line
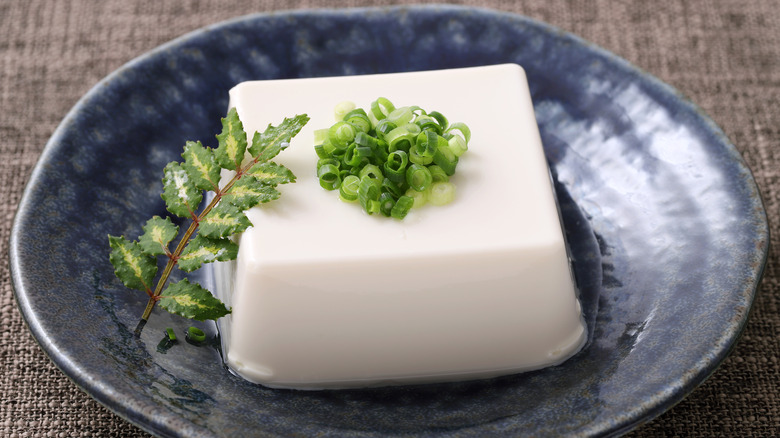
267 144
205 250
181 196
232 142
200 165
158 233
225 219
248 192
131 265
191 300
271 173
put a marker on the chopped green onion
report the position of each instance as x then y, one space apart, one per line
342 109
380 150
417 111
445 158
386 204
323 161
381 108
428 123
364 151
397 189
328 148
395 166
443 123
368 194
358 119
424 149
412 128
418 177
320 136
195 334
438 174
363 139
348 190
441 193
457 145
372 172
390 159
401 116
383 127
399 139
328 175
419 198
462 128
171 334
341 134
402 207
373 206
371 146
351 157
320 150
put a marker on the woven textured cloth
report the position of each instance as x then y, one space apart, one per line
724 55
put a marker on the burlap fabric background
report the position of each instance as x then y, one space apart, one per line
724 55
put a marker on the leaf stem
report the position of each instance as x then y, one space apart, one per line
174 256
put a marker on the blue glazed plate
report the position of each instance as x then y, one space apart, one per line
667 230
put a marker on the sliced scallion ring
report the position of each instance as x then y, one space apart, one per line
195 334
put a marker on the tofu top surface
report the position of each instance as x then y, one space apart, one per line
504 199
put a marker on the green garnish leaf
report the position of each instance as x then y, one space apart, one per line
205 250
267 144
191 300
200 165
222 221
272 174
131 265
158 233
181 196
207 238
248 192
232 142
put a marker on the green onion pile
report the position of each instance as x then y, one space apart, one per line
390 159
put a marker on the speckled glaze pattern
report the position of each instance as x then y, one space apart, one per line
667 231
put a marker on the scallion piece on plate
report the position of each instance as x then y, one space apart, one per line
171 334
195 334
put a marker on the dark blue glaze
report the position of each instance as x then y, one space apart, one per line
666 226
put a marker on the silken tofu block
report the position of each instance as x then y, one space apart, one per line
326 296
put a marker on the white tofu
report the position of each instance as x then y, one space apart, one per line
326 296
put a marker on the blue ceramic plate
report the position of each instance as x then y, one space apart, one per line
666 225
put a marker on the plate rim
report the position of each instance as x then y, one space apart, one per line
633 418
